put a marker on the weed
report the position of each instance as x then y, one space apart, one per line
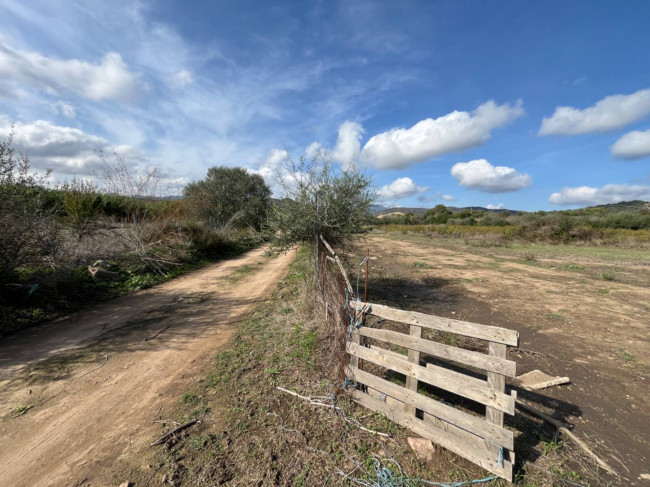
421 265
603 291
626 356
574 267
608 276
20 410
190 398
555 316
530 256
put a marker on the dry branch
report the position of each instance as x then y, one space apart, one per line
561 427
166 436
96 368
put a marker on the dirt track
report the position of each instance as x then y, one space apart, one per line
155 342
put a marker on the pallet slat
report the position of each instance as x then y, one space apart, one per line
473 424
443 438
483 332
490 363
454 382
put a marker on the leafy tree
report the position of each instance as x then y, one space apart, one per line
319 197
29 234
230 195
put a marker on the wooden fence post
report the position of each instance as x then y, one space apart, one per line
413 357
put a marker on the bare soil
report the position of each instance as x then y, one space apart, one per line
78 395
580 312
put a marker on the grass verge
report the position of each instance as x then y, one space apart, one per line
251 433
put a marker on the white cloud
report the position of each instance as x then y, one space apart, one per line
500 206
313 149
610 113
454 132
480 174
271 168
64 109
448 197
400 188
633 145
181 79
610 193
108 79
348 145
65 150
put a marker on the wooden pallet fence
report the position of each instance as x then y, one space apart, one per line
480 439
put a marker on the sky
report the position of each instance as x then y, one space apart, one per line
523 105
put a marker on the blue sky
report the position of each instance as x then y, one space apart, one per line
530 105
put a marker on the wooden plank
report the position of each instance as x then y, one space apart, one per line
483 332
447 440
473 424
414 358
498 383
447 352
449 380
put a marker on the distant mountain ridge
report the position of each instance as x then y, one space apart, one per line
635 205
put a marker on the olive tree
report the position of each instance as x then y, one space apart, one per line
319 198
29 234
229 196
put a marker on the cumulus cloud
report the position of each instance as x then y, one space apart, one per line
313 149
633 145
483 176
108 79
400 188
610 193
271 167
348 145
500 206
447 197
454 132
610 113
64 150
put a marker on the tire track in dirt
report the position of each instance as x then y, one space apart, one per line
92 421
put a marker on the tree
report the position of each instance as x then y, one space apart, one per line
319 198
230 195
29 234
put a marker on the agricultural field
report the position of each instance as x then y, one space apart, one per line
581 311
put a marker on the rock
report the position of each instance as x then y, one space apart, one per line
125 484
423 448
103 275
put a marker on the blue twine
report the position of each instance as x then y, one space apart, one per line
386 478
348 383
500 459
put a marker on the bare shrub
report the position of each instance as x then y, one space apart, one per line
151 236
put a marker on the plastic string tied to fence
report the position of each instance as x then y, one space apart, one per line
386 477
348 383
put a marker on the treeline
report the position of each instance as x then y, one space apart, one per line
63 247
586 224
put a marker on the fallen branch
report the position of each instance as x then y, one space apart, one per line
156 334
96 368
166 436
562 428
337 409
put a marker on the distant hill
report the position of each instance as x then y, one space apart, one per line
636 205
422 211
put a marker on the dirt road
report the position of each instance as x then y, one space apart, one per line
90 386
